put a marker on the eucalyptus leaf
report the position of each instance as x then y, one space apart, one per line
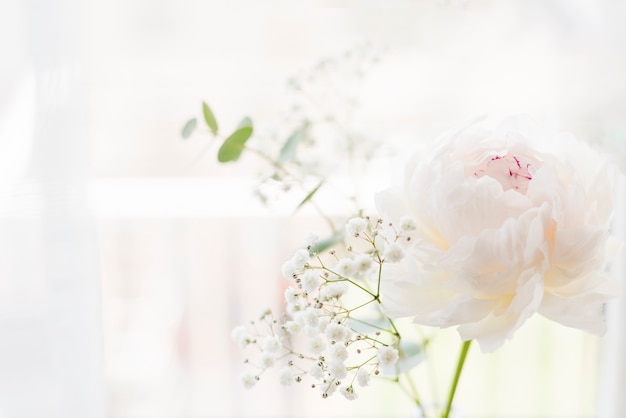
209 118
288 151
233 146
368 325
326 243
410 355
189 128
245 122
310 195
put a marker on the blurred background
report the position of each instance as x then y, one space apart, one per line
127 254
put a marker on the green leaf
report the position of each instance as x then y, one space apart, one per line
189 128
326 243
245 122
368 325
209 118
310 195
288 151
233 146
410 354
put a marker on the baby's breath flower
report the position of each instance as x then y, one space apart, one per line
348 393
291 296
316 371
300 258
310 281
311 239
387 356
363 377
333 290
363 263
317 345
248 380
294 327
393 253
407 223
337 369
355 226
337 332
271 344
328 389
289 269
240 335
267 360
338 352
310 316
345 267
285 376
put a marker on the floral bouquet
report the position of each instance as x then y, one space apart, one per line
488 227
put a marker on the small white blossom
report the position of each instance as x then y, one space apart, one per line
294 327
356 225
345 267
311 239
291 296
267 360
310 317
363 263
407 223
333 290
393 253
337 332
285 376
300 258
240 335
329 389
248 380
348 393
324 321
337 369
310 281
387 356
338 352
289 269
271 344
316 371
317 345
363 377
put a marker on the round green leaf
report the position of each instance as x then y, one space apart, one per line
209 118
189 128
233 146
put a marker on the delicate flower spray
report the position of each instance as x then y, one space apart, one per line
332 336
490 228
487 229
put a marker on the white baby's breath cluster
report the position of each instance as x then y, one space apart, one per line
332 333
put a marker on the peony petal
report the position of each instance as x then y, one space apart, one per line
585 312
492 332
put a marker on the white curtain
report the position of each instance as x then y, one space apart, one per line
50 321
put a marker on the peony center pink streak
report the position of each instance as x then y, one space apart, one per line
511 171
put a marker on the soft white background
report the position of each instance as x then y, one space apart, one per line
124 263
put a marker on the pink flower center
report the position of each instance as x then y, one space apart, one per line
511 171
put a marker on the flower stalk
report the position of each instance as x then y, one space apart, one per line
457 375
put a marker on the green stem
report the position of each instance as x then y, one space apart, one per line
457 375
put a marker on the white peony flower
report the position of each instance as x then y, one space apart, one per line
509 222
